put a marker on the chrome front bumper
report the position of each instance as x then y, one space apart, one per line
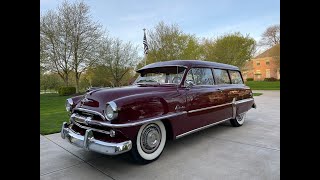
89 143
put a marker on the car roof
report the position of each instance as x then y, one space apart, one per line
189 63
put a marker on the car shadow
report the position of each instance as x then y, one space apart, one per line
172 146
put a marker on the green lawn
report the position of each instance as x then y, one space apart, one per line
52 113
263 85
257 94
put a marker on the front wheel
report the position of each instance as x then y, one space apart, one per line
239 120
150 142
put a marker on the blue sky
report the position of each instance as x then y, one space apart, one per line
204 18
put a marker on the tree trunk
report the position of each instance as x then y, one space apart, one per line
77 84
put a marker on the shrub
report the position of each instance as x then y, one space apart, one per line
270 79
249 79
65 91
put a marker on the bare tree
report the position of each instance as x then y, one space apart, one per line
86 36
119 58
71 39
271 36
55 51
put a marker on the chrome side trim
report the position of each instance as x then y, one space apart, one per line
200 128
108 124
91 111
211 107
244 100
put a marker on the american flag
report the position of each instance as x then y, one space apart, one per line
145 43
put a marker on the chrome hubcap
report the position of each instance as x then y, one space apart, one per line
240 118
150 138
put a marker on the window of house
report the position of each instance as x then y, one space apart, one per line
258 63
267 73
235 77
200 76
267 62
221 76
258 72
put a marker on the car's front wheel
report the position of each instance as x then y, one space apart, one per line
239 120
150 142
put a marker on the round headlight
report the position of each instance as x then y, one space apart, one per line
69 104
111 111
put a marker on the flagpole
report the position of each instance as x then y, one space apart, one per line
145 58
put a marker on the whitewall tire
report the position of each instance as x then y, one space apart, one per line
239 120
150 142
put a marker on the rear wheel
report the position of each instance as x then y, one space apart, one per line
239 120
150 142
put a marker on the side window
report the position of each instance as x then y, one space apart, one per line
235 77
221 76
200 76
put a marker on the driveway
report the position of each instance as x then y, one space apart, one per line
251 151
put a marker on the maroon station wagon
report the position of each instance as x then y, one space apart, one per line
167 101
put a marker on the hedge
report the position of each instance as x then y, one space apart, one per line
270 79
66 91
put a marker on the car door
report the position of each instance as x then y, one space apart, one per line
241 93
204 99
223 83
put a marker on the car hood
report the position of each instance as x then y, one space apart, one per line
98 98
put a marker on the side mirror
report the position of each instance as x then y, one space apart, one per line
189 84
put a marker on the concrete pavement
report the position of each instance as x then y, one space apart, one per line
251 151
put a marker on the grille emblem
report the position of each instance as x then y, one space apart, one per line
87 120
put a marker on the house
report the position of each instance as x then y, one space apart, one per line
265 65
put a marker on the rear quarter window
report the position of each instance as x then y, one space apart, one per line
235 77
221 76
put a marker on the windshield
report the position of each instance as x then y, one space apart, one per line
161 75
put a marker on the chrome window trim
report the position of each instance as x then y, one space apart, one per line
201 128
90 111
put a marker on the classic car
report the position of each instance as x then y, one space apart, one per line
167 101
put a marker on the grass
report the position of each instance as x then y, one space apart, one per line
52 113
263 85
257 94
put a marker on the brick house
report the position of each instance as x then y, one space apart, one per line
265 65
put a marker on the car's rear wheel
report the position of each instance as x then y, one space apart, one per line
239 120
150 142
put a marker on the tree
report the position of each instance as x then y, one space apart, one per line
168 42
50 81
271 36
86 36
232 49
71 39
119 58
55 51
